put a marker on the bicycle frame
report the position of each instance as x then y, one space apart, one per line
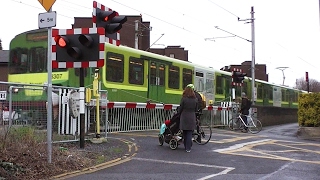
248 117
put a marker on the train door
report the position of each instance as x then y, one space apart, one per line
156 81
209 88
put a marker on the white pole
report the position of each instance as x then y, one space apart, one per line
49 93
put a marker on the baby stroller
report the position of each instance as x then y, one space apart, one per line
170 132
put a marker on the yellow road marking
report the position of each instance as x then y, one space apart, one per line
267 154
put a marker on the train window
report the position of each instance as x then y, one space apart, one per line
209 83
260 91
38 59
18 60
161 74
270 93
296 95
114 67
153 73
174 76
219 85
187 77
136 71
200 74
284 95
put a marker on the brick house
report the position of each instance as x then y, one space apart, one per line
260 73
4 58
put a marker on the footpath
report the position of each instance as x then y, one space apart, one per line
309 133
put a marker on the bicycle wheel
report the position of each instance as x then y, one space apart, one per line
254 126
205 133
234 124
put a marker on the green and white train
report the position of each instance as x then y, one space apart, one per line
131 75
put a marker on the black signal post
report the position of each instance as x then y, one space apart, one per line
79 48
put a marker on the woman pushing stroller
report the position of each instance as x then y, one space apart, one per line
188 108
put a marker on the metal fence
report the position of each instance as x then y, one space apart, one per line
25 105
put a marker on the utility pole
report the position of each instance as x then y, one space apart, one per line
282 69
136 35
253 62
251 20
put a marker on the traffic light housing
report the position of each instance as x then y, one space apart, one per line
108 19
238 77
78 48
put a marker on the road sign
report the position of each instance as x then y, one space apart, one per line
47 4
48 19
3 95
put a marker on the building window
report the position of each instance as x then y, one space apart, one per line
171 55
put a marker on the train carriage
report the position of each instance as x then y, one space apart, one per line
131 75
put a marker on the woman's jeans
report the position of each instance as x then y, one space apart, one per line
187 139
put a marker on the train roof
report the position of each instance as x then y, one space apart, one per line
158 56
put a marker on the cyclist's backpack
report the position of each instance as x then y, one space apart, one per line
201 102
204 104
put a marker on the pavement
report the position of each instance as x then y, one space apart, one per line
309 133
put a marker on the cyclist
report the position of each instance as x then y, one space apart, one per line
245 106
201 105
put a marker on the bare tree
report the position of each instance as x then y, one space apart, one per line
1 44
314 85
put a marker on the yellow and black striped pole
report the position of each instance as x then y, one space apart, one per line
97 95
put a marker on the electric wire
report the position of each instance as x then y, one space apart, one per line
182 28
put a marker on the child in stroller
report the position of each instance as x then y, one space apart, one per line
170 132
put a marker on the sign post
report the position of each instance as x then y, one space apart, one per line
47 4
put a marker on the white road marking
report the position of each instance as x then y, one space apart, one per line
225 171
238 146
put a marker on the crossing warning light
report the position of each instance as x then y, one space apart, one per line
78 48
238 77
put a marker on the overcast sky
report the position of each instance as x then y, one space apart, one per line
287 32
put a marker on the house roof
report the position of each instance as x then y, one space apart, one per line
4 56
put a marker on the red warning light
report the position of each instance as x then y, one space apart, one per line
61 41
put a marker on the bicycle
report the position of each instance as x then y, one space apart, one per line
203 131
253 124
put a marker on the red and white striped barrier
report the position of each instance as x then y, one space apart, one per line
217 108
134 105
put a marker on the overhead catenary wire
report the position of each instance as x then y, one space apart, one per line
165 21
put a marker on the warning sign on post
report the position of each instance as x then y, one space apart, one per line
3 95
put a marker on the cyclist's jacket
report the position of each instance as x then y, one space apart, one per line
245 106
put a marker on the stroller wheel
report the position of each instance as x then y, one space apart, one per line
161 139
173 144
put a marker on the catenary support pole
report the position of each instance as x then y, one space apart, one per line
136 34
253 91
